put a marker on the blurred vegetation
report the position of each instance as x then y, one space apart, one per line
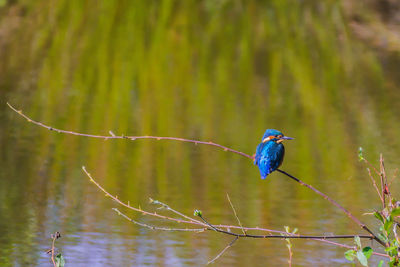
377 22
210 70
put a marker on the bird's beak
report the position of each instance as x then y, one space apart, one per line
286 138
280 139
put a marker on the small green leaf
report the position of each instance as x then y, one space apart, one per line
379 216
380 263
360 154
357 241
394 262
350 255
197 213
395 212
383 237
388 224
362 259
367 252
391 250
60 262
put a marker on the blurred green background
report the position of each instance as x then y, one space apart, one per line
209 70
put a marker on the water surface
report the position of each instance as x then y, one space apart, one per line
210 70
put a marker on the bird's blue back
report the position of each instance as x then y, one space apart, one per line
269 155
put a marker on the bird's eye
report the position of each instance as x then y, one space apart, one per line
279 136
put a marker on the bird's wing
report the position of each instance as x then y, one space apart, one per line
281 155
258 153
269 161
276 158
264 164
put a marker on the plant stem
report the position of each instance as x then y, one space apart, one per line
351 216
113 136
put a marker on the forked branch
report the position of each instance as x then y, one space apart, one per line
204 225
193 221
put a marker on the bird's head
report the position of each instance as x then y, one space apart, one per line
274 135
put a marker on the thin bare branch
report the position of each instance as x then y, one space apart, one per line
234 212
349 214
113 136
228 227
371 166
223 251
282 236
394 176
192 221
167 207
290 254
382 184
198 230
386 190
376 187
54 237
132 138
217 228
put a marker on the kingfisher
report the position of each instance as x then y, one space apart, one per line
270 152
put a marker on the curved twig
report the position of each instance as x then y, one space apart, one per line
349 214
154 214
113 136
152 227
223 251
283 236
208 226
133 138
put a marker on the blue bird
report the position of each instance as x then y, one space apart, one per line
270 152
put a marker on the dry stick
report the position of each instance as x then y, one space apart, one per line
234 212
189 221
351 216
165 206
216 227
223 251
113 136
192 221
382 183
55 236
383 174
394 177
52 250
198 230
376 187
371 166
290 255
291 236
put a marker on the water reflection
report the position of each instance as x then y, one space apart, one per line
191 69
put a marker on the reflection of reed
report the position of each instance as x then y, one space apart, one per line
205 224
223 229
132 138
220 72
